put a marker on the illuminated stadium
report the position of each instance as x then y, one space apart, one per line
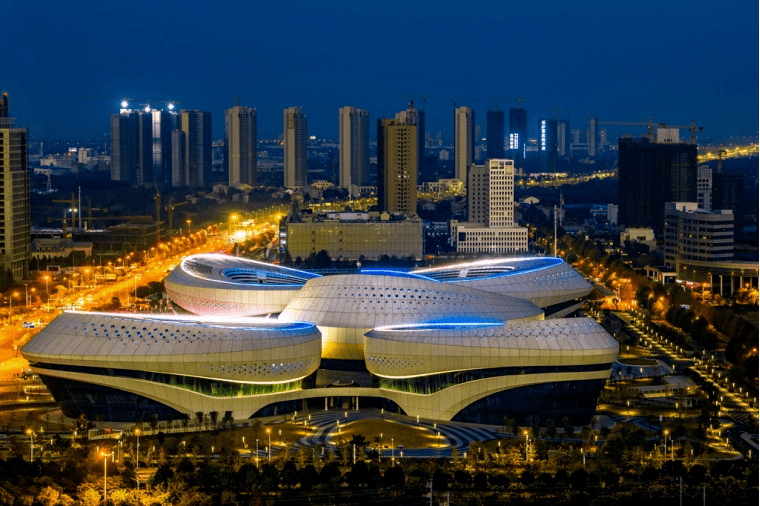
468 342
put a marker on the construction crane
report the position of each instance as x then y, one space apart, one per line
691 128
650 127
157 198
169 208
721 152
72 206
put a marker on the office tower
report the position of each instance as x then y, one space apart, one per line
490 225
563 137
195 142
704 187
241 145
295 161
651 173
495 134
518 131
397 162
125 145
15 242
490 193
591 136
547 145
692 234
464 141
353 126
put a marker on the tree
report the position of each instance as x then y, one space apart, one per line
199 418
551 429
214 418
308 477
394 477
358 476
578 479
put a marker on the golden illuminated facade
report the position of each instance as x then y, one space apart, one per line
15 242
351 236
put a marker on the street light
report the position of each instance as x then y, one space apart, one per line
30 432
269 448
137 454
105 474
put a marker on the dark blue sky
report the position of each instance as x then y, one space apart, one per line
67 66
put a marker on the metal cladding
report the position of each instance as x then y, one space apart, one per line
466 342
222 285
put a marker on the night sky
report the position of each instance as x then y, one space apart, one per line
67 65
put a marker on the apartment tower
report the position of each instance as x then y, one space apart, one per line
241 145
353 125
15 243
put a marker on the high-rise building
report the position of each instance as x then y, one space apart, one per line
464 141
295 160
490 193
241 145
563 137
704 187
178 158
547 145
728 193
195 142
490 223
592 136
518 132
353 141
397 162
652 173
141 145
495 134
163 123
15 239
125 146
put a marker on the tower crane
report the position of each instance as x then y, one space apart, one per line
169 208
157 198
73 206
650 127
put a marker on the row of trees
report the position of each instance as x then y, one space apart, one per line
622 470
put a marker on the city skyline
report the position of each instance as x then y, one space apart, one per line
594 59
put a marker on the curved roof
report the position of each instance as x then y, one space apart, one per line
232 286
491 268
235 272
371 300
545 281
411 350
181 345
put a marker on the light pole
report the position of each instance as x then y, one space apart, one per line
257 453
526 445
137 455
30 432
47 278
105 474
269 448
393 453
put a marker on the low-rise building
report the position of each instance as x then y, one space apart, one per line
354 235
